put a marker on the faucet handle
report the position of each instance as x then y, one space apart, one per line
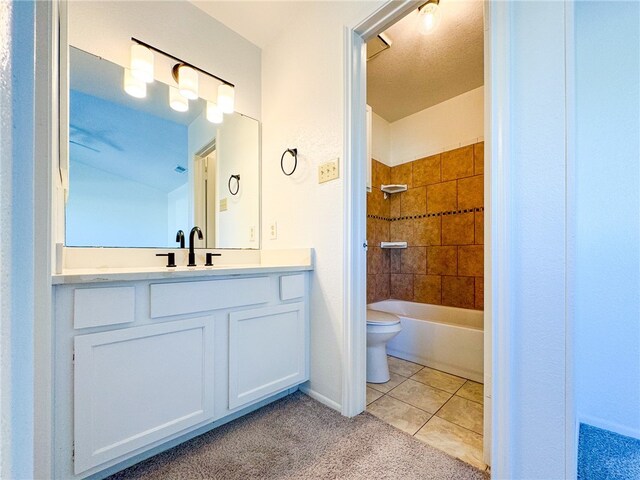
210 258
171 258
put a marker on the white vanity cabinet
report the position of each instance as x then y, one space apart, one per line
267 348
134 386
143 365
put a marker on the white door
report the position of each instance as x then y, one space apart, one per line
205 196
135 386
267 352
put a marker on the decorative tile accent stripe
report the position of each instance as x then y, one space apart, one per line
425 215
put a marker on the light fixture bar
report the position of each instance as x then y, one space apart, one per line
179 60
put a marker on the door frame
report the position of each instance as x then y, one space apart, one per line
497 69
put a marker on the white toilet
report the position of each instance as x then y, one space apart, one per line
381 327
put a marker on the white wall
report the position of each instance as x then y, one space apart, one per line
238 154
453 123
105 28
528 231
607 216
380 139
17 221
303 107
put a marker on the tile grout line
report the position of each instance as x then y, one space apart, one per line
422 410
431 386
466 380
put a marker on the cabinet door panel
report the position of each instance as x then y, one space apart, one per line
135 386
267 351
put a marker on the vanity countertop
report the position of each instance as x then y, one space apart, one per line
97 275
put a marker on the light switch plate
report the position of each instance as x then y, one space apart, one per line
329 171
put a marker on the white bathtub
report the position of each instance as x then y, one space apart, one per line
445 338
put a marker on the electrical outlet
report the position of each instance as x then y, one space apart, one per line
329 171
223 205
252 233
273 230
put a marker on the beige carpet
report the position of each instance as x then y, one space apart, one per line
299 438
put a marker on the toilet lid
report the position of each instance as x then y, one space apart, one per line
381 318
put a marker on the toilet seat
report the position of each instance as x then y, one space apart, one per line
376 317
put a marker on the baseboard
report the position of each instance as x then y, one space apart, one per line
607 425
320 398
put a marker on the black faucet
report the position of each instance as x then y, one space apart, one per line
180 238
192 255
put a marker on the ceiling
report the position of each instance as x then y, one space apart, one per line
259 21
420 71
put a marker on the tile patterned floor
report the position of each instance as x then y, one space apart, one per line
437 408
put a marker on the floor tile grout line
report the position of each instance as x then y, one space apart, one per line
422 426
464 428
454 423
405 403
454 394
468 399
428 420
435 369
432 414
431 386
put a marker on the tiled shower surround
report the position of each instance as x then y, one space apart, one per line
441 216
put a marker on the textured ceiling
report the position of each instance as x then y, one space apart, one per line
257 21
420 71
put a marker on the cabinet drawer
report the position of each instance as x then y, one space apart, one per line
267 352
97 307
192 297
291 286
136 386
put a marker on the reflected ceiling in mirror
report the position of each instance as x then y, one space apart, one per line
139 170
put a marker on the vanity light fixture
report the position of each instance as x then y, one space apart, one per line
134 87
214 114
141 63
177 101
226 98
429 15
187 77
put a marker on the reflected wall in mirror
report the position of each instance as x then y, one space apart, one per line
140 171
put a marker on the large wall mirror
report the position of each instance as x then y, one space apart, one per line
139 170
